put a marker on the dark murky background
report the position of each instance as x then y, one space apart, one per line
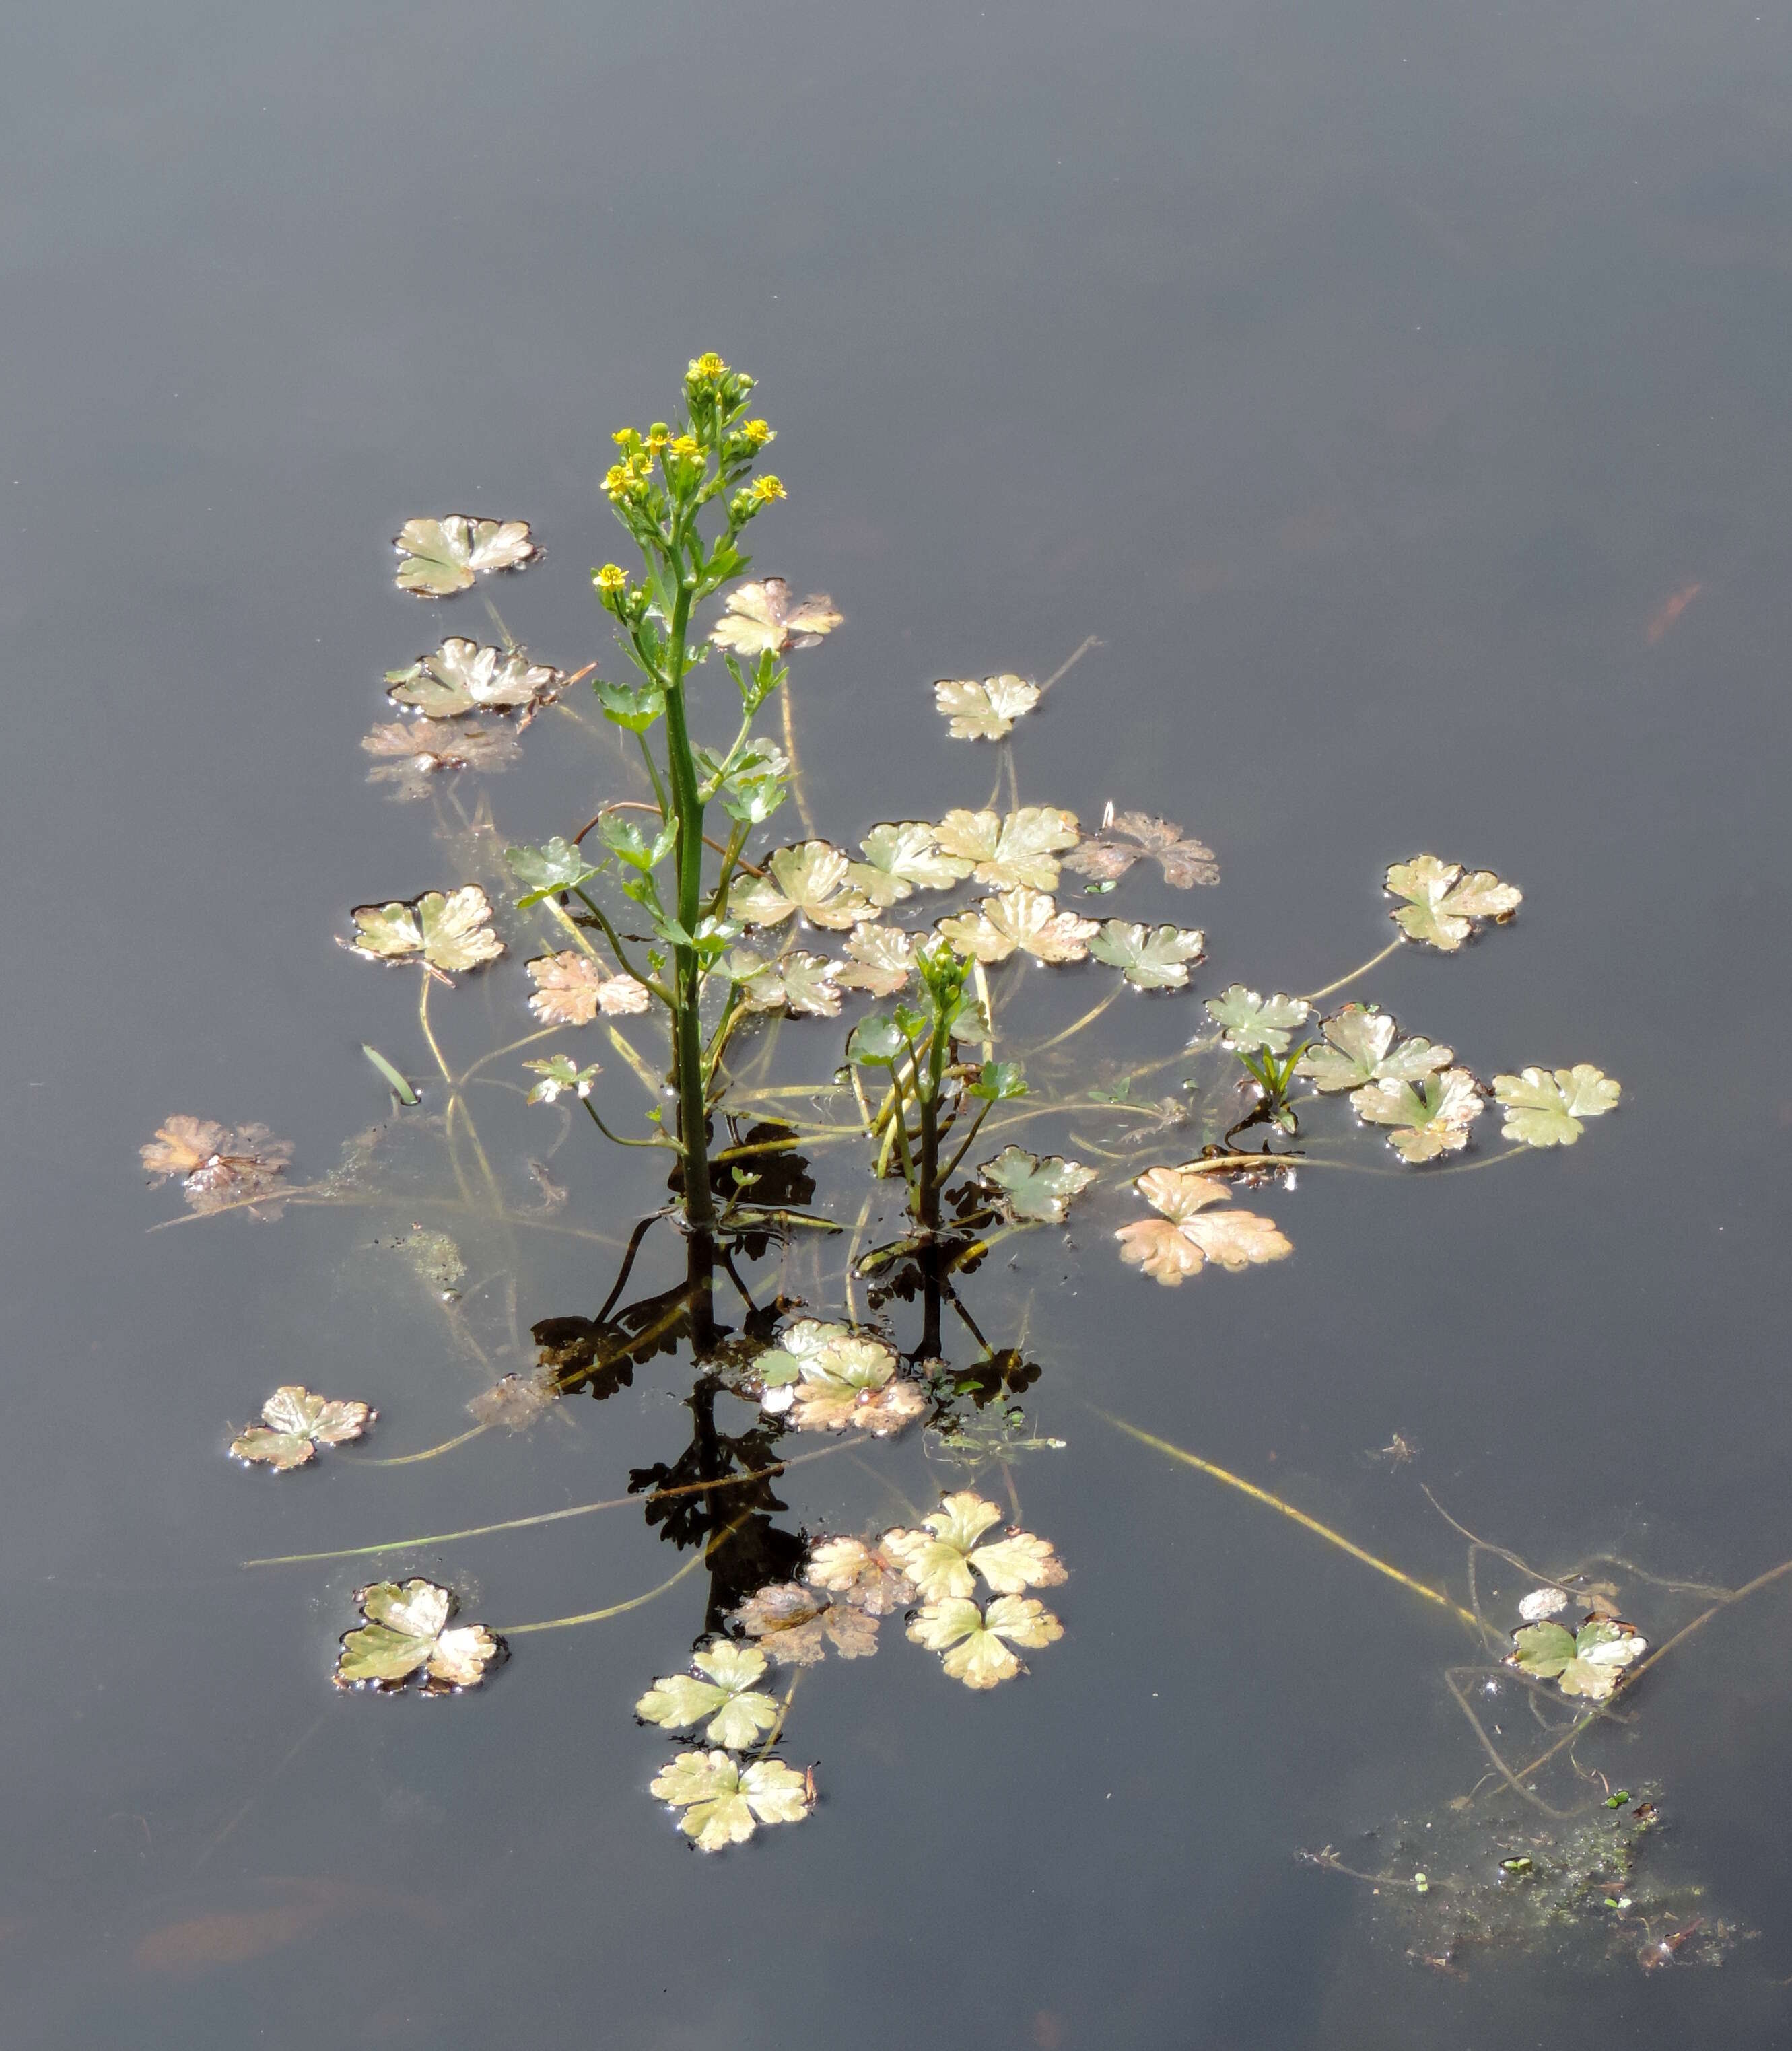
1369 378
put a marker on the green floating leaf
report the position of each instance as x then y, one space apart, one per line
759 619
1040 1190
903 858
1020 850
571 989
406 1636
719 1693
977 1644
942 1559
219 1164
985 711
1442 903
1181 1242
1150 957
722 1802
811 878
997 1081
558 1075
796 1624
795 982
1545 1107
1359 1050
843 1380
295 1422
1026 919
1130 837
545 871
1429 1119
1589 1663
1250 1022
462 676
448 931
438 557
412 750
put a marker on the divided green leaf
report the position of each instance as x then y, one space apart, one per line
462 676
448 931
558 1075
1026 919
1020 849
903 857
1430 1118
794 983
984 711
1589 1663
407 1636
977 1644
1545 1107
1150 957
1359 1050
1035 1189
1181 1241
295 1422
810 877
1441 903
722 1802
438 557
719 1693
1250 1022
571 989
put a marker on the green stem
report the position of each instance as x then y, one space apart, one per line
687 802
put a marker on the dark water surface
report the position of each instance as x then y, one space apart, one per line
1370 377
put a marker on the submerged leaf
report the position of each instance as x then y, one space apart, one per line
810 877
462 676
793 1621
559 1074
1041 1190
723 1801
795 981
898 859
1129 837
719 1693
1545 1108
1589 1663
1029 920
879 959
1181 1243
406 1635
1359 1050
985 711
437 557
1429 1119
1542 1602
1150 957
759 619
517 1400
860 1571
976 1644
219 1164
571 989
1020 849
412 750
1250 1022
1441 903
448 931
295 1422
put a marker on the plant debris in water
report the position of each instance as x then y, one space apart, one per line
1184 1238
461 677
449 931
1441 904
1545 1108
295 1422
438 557
722 1802
219 1165
986 711
796 1624
515 1401
407 1637
1126 838
848 1380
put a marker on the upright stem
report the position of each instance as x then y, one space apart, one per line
687 804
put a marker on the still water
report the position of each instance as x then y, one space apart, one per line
1400 395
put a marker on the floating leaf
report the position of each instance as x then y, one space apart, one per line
557 864
1545 1108
810 877
571 989
559 1075
879 958
901 858
1150 957
1542 1602
1029 920
462 676
1359 1050
1250 1022
1038 1190
450 931
795 981
1128 837
781 1364
1021 849
760 620
862 1573
720 1688
977 1643
1181 1241
1442 903
438 557
985 711
516 1400
295 1422
723 1802
793 1621
412 750
407 1634
219 1164
937 1560
1589 1663
1429 1119
851 1381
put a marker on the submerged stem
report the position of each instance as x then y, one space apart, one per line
1392 947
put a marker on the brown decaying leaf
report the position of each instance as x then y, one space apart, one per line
796 1624
1182 1241
862 1573
412 750
571 989
1125 837
517 1400
219 1166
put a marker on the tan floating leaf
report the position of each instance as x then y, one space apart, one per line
1021 849
1441 903
879 959
984 711
1029 920
571 989
759 618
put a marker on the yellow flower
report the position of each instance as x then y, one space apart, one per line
622 437
758 433
611 577
684 449
617 479
765 489
708 367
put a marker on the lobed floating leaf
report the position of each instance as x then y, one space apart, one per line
1019 850
559 1075
461 677
219 1164
1359 1050
759 619
977 1644
412 750
985 711
1430 1118
450 931
295 1422
879 959
810 877
1129 837
849 1380
1545 1107
1040 1190
571 989
406 1636
943 1559
1029 920
901 858
557 864
722 1802
719 1693
1181 1241
796 1624
1250 1022
1589 1663
438 557
1149 957
862 1571
795 982
1441 903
